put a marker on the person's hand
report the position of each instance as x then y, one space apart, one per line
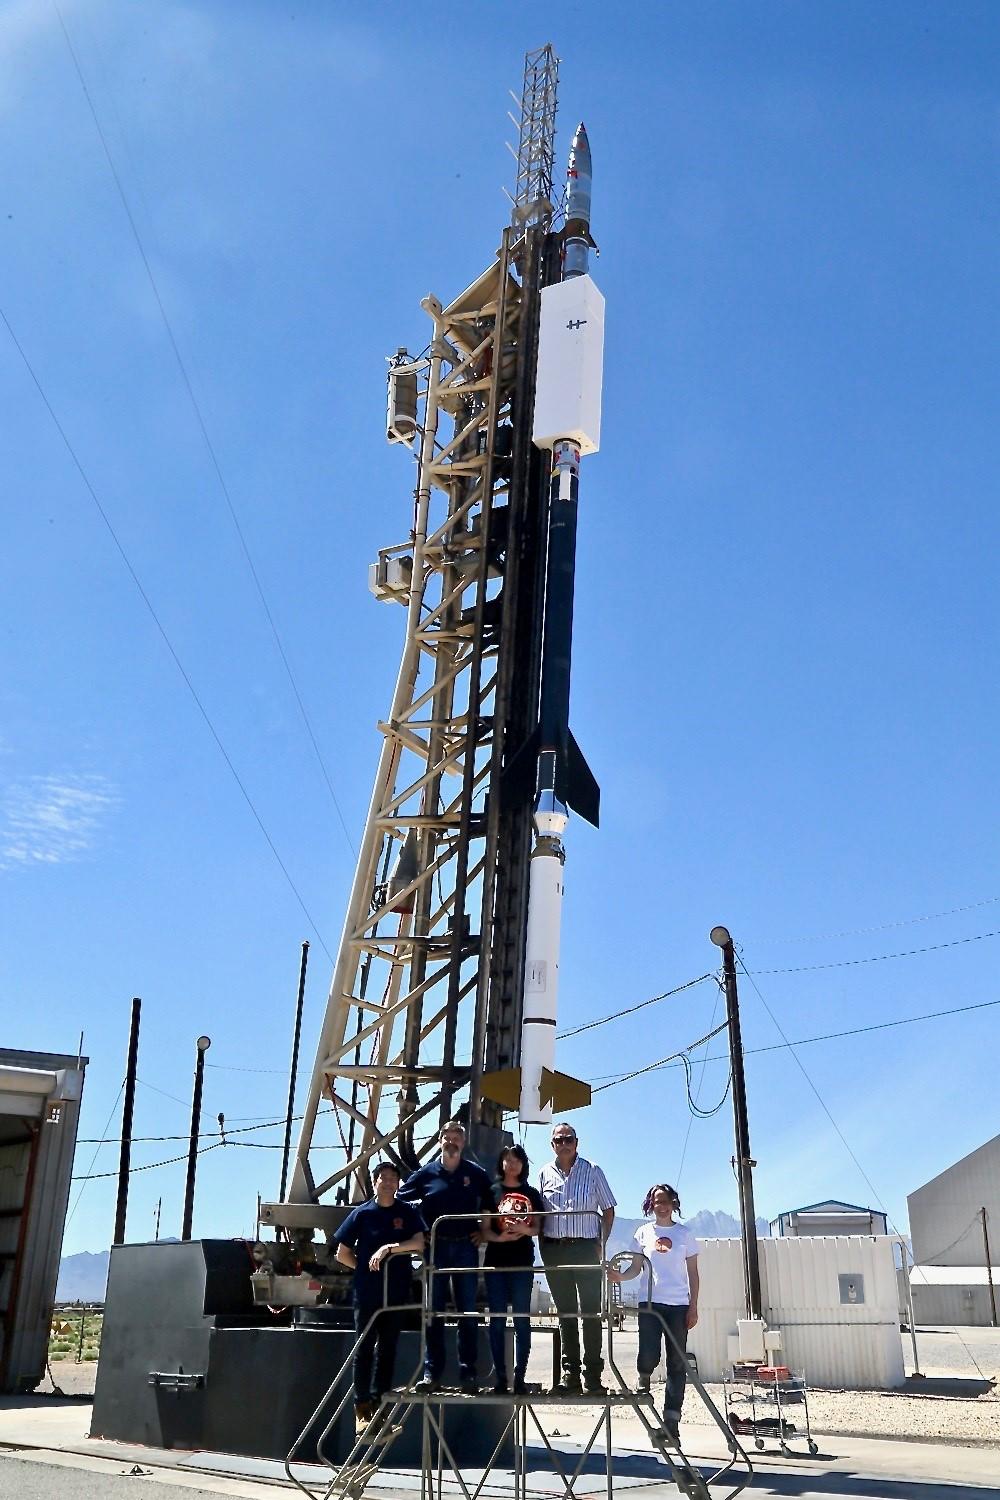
381 1255
692 1317
476 1238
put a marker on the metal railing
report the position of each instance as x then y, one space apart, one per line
370 1447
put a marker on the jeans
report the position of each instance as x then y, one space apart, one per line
453 1253
510 1287
378 1348
656 1325
576 1293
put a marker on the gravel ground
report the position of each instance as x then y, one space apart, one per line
71 1378
954 1403
958 1401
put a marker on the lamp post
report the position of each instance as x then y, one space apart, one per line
744 1162
203 1044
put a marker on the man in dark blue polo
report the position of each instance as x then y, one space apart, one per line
452 1185
382 1230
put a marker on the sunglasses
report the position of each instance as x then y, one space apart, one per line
563 1140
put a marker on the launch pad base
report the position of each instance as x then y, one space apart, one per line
188 1362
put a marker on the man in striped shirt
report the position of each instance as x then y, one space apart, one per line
572 1243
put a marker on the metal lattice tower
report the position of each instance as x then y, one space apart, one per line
533 200
426 991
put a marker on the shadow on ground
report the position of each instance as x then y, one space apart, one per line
641 1466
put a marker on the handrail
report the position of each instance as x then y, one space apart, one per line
362 1448
732 1442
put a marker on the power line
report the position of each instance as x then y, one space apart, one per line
170 1161
878 958
563 1036
919 1264
85 1180
802 1069
230 1068
664 1060
107 1140
161 628
202 424
820 937
701 1081
829 1036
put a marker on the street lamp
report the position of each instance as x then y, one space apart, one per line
203 1043
744 1163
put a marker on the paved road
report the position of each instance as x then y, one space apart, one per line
23 1479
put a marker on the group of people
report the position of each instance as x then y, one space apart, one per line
450 1208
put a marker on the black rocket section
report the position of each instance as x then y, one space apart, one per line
571 778
550 759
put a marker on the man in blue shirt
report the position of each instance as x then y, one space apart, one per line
450 1186
385 1229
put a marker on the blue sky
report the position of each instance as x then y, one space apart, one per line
787 626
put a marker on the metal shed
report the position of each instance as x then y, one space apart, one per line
833 1300
946 1214
954 1294
831 1217
40 1094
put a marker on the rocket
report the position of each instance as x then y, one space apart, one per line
567 422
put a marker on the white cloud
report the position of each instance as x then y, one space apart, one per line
51 820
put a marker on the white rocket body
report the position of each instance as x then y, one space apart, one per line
541 965
567 420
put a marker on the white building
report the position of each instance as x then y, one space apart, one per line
831 1217
834 1301
949 1278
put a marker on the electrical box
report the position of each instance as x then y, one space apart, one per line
570 370
401 412
389 578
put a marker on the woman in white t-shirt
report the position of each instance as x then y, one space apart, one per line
672 1251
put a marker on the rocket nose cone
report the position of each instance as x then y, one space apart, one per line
579 151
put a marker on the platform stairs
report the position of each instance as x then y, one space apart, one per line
371 1450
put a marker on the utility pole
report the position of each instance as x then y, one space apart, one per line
744 1162
125 1157
293 1072
203 1044
989 1269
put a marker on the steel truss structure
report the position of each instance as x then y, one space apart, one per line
426 991
535 156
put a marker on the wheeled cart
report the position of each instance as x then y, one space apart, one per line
758 1406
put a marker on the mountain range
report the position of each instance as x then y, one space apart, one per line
84 1277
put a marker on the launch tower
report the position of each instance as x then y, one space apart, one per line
427 988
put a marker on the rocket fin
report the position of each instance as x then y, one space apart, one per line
521 772
576 784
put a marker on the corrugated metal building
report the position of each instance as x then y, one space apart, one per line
834 1301
40 1095
954 1294
831 1217
946 1231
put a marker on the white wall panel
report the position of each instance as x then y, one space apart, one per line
854 1345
